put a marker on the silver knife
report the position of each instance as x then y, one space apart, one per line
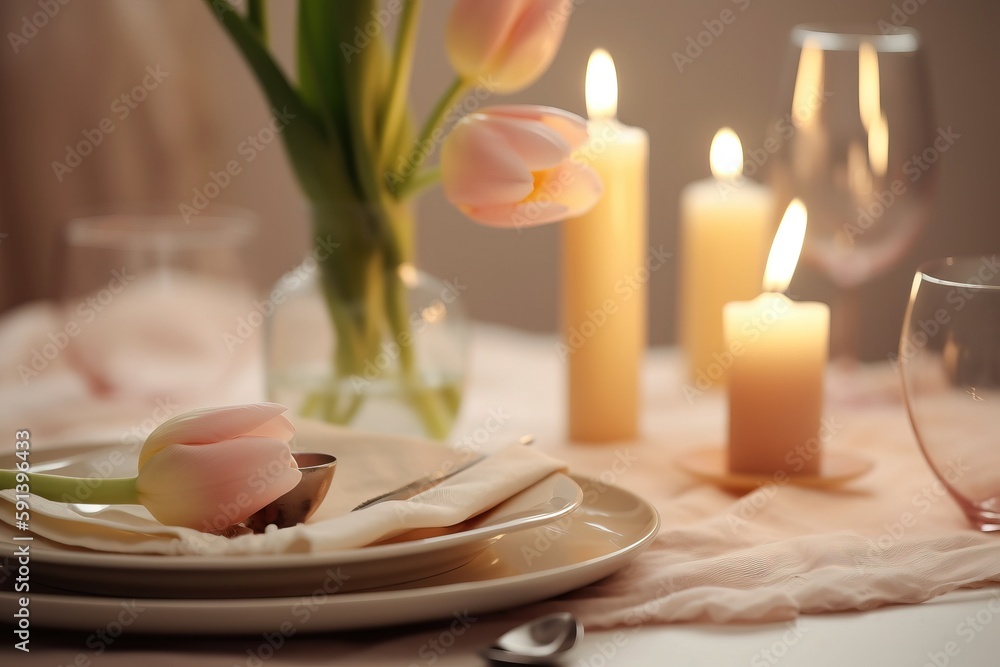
429 481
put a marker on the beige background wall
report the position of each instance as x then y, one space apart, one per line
64 79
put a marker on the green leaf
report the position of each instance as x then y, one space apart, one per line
357 53
316 156
257 17
317 61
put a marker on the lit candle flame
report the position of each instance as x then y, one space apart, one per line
786 248
878 145
601 87
869 88
808 85
726 154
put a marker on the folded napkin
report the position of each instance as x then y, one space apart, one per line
367 465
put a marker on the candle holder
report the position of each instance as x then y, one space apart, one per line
711 464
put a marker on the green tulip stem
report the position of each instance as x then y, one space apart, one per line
402 66
91 490
423 146
426 178
434 414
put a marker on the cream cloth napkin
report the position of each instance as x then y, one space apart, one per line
367 465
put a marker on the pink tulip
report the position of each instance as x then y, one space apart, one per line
211 468
512 167
509 42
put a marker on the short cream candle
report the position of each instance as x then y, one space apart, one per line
779 350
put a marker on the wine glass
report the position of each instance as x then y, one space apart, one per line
949 359
854 140
157 306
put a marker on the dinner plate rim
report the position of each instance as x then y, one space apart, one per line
585 572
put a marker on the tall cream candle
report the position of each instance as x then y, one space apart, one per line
726 223
604 274
779 349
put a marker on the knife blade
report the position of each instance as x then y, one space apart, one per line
426 482
418 486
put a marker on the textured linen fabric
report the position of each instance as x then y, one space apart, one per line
893 535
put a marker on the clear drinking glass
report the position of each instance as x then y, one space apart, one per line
853 138
153 303
949 358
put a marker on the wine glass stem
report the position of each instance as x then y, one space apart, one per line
845 341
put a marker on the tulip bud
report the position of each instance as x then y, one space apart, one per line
510 42
208 469
205 469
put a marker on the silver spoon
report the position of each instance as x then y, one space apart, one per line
298 504
537 642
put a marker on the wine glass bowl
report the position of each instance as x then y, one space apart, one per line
949 360
851 140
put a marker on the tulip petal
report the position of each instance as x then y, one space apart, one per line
477 31
569 190
517 216
278 428
209 425
531 45
570 127
211 486
579 186
539 146
478 168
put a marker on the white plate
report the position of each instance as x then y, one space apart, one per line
609 529
411 557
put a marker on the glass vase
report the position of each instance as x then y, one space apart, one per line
407 379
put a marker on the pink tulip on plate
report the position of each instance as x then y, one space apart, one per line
210 468
512 166
508 43
205 469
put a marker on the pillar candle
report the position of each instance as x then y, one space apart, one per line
604 274
726 223
779 350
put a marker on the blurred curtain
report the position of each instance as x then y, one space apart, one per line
63 78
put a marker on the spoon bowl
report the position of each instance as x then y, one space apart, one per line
536 642
302 501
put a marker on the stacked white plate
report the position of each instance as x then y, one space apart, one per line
558 535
